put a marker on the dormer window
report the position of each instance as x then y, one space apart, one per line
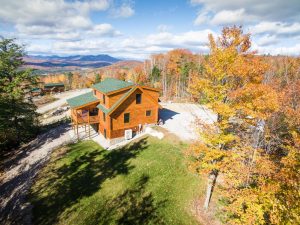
138 98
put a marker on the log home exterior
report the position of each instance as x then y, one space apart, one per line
114 106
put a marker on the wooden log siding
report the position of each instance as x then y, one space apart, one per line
118 102
137 114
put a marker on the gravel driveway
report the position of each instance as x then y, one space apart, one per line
180 118
20 171
62 99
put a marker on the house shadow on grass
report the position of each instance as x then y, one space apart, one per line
60 188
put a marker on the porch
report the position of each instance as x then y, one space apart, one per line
86 118
82 116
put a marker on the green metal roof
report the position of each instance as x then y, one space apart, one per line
107 111
54 85
103 109
82 100
111 84
36 90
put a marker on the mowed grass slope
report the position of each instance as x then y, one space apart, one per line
146 182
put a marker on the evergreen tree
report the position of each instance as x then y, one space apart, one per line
18 119
97 78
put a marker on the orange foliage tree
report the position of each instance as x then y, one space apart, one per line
233 84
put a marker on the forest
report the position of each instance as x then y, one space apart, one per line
253 147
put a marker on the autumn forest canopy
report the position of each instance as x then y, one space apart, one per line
250 156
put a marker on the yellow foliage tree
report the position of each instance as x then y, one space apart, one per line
233 85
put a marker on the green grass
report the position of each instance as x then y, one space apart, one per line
146 182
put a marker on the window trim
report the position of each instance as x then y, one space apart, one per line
128 117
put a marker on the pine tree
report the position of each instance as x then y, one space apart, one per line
18 119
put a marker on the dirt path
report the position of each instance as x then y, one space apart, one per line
20 170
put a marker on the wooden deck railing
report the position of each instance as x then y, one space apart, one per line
84 119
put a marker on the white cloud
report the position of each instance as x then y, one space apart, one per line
201 18
246 11
134 47
229 17
55 19
279 50
267 40
103 30
124 11
278 28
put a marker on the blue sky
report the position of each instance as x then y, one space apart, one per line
139 28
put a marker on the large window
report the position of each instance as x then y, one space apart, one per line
104 132
138 98
104 117
148 112
126 117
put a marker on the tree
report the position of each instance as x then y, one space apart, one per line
18 120
70 79
233 85
98 78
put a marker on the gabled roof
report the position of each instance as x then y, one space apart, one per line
120 101
54 85
111 84
81 100
111 109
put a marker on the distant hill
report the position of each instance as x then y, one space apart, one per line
55 63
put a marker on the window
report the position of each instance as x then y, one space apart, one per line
104 132
94 112
104 117
126 117
103 98
148 112
138 98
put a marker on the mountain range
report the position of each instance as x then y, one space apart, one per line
54 63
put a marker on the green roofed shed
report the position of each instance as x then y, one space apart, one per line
82 100
36 90
111 84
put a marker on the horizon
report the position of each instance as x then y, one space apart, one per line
136 29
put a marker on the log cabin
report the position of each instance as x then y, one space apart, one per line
115 109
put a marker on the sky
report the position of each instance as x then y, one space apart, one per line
138 28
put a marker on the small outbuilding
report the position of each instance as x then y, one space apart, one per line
54 87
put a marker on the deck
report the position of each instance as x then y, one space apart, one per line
84 118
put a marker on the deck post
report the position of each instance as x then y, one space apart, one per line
89 124
77 125
71 118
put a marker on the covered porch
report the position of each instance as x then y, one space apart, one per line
84 112
84 116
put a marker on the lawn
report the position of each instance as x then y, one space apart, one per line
146 182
